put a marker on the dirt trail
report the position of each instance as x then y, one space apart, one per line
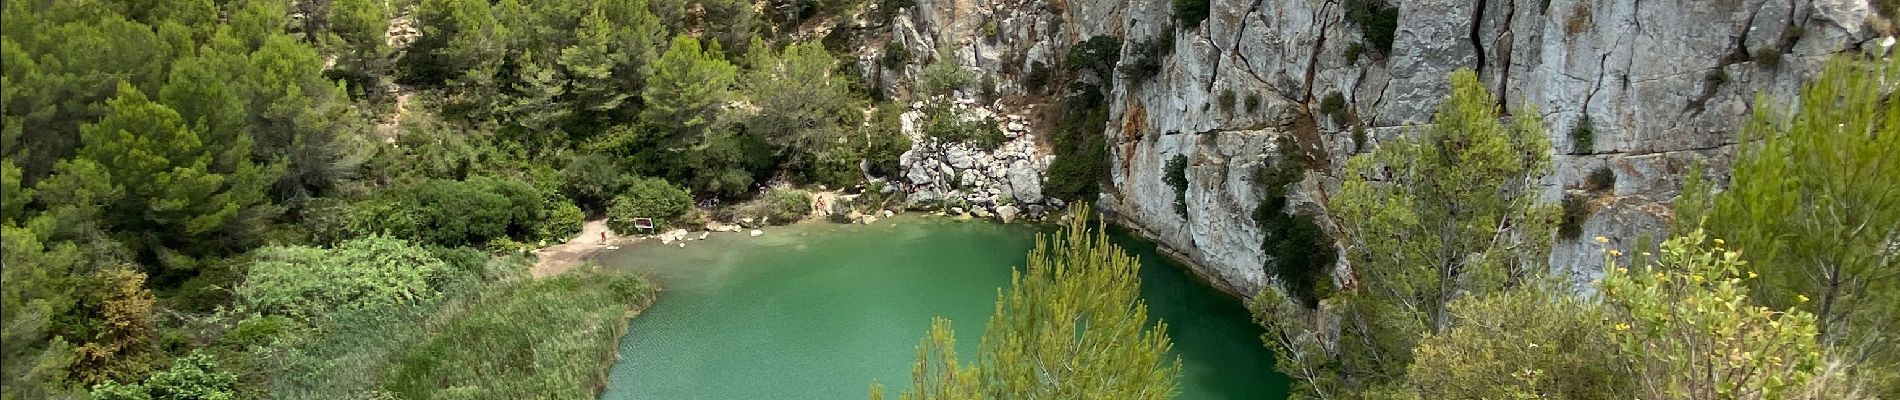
562 257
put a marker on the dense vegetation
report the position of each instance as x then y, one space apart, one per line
254 199
1765 291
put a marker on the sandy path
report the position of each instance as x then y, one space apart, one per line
562 257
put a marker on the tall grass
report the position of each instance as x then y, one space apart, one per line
549 338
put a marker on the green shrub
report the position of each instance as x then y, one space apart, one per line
452 213
1300 255
885 141
778 206
592 180
1175 175
944 77
1378 22
652 198
1359 139
1583 136
1192 12
368 273
1081 149
1253 102
1227 101
1148 57
563 221
1038 78
949 124
1716 77
895 54
1576 209
1098 54
1333 106
1354 51
1768 56
1601 179
196 376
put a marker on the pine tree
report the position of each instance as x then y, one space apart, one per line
1814 198
1450 211
185 191
1070 326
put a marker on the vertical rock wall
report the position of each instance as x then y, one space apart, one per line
1663 83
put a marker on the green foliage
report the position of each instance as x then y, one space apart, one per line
1081 149
1071 325
1099 54
805 111
563 221
1583 136
1191 12
1378 22
1462 194
1716 77
1226 101
1253 102
944 77
461 39
13 201
1148 57
542 338
548 338
950 124
1333 106
1689 330
1811 200
1536 341
1300 255
1354 51
777 206
201 191
1175 175
688 86
197 376
369 273
37 291
895 54
885 141
592 180
358 29
446 212
1576 209
652 198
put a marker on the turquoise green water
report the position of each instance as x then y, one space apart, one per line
820 310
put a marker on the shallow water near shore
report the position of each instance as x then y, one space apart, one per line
820 310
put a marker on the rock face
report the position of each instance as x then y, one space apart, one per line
1660 84
945 175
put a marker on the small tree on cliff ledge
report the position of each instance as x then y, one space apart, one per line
1071 326
1449 211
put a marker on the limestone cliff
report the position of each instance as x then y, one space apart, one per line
1662 83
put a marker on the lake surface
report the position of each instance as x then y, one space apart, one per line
820 310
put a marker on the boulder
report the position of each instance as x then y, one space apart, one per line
1007 213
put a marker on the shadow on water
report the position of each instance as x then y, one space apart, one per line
820 310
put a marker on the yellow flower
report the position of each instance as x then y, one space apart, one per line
1601 239
1615 253
1801 298
1719 242
1751 274
1697 278
1622 327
